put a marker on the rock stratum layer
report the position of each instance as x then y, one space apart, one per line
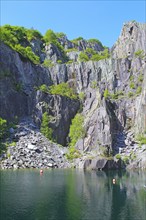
113 106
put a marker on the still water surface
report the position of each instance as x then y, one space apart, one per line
72 195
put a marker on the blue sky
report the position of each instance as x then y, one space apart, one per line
90 19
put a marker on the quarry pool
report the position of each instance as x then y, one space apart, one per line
72 195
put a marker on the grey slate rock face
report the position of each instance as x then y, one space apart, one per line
61 109
109 123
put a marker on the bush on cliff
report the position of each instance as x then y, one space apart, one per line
77 130
51 38
95 41
16 37
45 130
63 89
3 128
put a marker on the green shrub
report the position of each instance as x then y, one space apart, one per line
118 156
77 130
132 85
131 78
117 95
96 57
63 89
69 62
139 53
15 37
132 156
130 94
82 96
100 56
83 57
48 63
126 159
71 50
141 139
59 61
35 59
90 51
3 128
106 94
94 84
50 36
75 41
45 130
33 34
140 78
13 144
44 88
138 90
60 34
27 52
93 40
73 153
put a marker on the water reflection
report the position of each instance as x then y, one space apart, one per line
72 195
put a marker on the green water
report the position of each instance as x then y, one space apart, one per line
72 195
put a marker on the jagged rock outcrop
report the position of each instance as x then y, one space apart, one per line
130 40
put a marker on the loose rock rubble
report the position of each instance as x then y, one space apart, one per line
33 150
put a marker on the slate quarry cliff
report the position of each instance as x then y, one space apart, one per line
113 102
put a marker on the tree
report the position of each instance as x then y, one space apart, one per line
77 130
45 130
50 36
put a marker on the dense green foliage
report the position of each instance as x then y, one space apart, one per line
16 37
141 138
83 57
77 130
140 78
27 52
63 89
138 90
130 94
117 95
48 63
51 38
20 40
44 88
95 41
60 34
132 85
90 54
82 96
140 54
73 153
106 94
71 50
45 130
3 134
100 56
3 128
75 41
